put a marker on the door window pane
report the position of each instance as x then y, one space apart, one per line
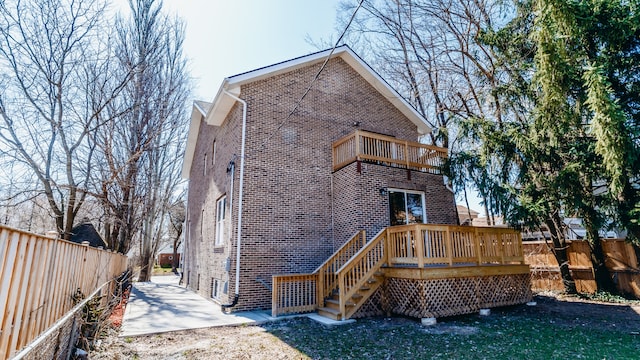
415 209
397 208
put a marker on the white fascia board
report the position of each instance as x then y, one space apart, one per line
222 103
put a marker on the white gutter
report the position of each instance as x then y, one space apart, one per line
240 195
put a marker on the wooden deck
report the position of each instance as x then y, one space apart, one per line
387 150
418 270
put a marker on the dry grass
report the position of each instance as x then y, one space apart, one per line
555 329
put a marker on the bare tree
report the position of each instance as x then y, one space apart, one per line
55 55
177 217
141 152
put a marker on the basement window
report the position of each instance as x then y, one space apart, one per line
215 285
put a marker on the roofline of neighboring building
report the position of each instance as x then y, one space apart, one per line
222 103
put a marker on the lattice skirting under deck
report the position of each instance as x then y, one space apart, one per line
457 296
373 306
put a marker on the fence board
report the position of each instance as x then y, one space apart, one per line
38 278
620 259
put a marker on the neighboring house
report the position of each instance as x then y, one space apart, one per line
165 256
304 177
166 259
87 232
466 215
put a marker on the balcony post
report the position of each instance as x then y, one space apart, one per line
356 136
406 153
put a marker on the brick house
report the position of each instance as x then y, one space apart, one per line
300 197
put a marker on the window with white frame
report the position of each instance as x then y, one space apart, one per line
406 207
221 214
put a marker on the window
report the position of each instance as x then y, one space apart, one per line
221 214
204 169
202 225
406 207
215 285
213 153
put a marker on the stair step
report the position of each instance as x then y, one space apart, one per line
365 288
372 281
335 304
356 296
332 304
378 273
330 313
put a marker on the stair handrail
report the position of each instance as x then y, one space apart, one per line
375 251
327 274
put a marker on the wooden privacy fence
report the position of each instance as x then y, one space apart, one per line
621 260
387 150
41 279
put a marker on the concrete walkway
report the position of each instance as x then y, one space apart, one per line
162 306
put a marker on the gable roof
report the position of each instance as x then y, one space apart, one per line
87 232
215 112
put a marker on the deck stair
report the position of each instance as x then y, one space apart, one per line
404 255
331 308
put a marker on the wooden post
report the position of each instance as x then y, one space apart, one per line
274 296
500 247
342 294
449 247
387 246
476 242
419 239
520 252
406 154
356 136
320 283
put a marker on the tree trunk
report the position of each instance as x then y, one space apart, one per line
560 247
146 268
602 276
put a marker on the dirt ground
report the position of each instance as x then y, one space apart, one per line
272 340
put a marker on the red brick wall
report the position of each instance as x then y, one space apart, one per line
288 225
167 259
360 205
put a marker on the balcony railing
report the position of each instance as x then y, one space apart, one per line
387 150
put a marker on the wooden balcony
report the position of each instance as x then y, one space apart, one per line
387 150
443 270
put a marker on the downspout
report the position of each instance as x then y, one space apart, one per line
240 195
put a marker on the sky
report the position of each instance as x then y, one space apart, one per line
227 37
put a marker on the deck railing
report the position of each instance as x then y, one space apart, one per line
295 293
387 150
426 244
355 273
328 271
416 245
